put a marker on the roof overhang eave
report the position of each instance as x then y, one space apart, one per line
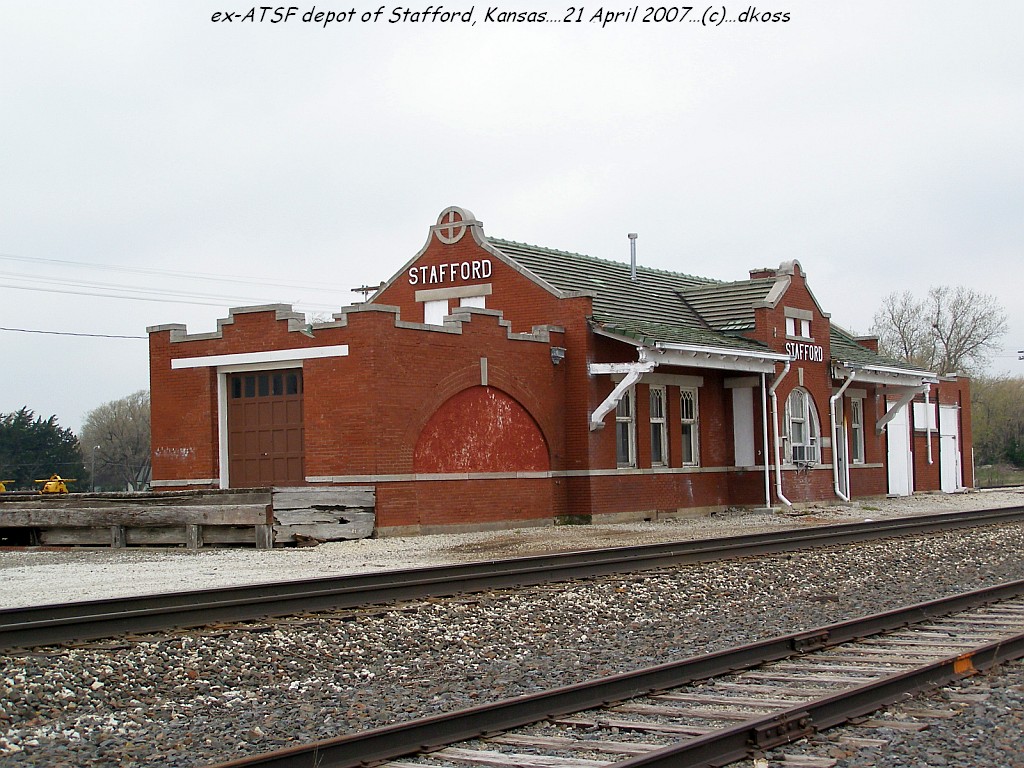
884 374
723 358
700 355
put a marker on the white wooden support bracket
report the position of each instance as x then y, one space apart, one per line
889 415
633 371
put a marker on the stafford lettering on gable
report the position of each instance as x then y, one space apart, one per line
478 269
811 352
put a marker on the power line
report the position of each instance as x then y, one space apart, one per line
270 281
220 303
156 291
70 333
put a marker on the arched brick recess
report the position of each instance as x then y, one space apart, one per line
481 429
454 383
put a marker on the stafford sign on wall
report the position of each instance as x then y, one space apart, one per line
813 353
478 269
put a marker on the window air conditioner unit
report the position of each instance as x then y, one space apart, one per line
803 454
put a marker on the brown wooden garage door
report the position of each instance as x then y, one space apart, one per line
265 445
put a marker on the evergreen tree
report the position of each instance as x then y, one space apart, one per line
33 448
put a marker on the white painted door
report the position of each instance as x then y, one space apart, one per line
901 476
949 448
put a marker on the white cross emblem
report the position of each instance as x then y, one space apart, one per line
450 227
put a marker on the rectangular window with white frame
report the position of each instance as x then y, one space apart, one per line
438 302
434 312
690 427
625 430
798 328
659 431
856 430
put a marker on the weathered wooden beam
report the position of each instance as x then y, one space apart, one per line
173 536
83 537
325 531
178 499
264 537
340 496
315 516
31 516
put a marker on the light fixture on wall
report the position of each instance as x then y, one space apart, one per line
557 355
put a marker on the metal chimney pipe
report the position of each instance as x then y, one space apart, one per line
632 256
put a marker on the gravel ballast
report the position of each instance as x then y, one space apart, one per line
194 698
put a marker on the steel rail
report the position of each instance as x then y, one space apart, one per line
789 725
405 739
86 620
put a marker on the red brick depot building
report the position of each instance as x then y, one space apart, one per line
491 384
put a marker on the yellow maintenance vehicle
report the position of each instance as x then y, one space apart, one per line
4 484
56 484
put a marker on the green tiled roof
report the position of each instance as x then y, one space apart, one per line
650 309
648 333
729 306
666 306
846 349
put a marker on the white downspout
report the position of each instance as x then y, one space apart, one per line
764 434
775 435
835 452
928 419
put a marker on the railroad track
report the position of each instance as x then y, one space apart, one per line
707 710
70 622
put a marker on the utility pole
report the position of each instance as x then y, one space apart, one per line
92 470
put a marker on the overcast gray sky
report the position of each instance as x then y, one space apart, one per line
879 143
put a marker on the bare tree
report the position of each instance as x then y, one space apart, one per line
115 439
997 416
951 330
901 332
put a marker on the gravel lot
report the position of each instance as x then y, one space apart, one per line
35 577
190 699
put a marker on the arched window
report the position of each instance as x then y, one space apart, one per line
803 433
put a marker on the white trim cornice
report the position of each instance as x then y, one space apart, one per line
251 358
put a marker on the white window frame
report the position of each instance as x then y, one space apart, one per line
435 311
804 413
625 426
801 331
473 301
690 417
659 427
857 430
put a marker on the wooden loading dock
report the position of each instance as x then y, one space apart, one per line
261 517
